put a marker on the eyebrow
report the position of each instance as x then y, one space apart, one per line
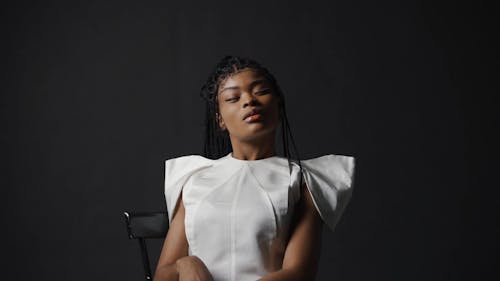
251 86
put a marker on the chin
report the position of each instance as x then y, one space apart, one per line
257 132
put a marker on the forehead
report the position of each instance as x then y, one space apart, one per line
242 78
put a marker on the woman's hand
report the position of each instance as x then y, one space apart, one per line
191 268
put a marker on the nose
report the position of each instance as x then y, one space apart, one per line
249 100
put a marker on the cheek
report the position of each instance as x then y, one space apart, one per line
229 114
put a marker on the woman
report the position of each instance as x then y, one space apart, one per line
240 212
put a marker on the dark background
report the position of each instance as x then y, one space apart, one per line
96 95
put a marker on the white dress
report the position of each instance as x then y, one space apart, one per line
238 212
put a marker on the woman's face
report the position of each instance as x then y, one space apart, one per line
241 94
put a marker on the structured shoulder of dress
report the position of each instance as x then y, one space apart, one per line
329 179
344 161
180 167
177 171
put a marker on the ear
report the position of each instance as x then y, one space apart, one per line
220 121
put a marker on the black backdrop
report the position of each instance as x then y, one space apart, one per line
97 94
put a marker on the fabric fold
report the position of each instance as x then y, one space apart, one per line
177 172
329 180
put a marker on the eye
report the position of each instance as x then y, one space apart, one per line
263 92
233 99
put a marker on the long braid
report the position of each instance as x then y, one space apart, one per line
287 132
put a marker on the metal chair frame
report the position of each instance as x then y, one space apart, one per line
146 225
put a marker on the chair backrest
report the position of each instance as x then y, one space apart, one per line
146 225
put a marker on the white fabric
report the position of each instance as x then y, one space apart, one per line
238 212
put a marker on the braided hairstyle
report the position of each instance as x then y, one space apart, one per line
217 142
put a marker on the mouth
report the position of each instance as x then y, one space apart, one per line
252 116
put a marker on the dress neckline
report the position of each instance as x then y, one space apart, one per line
231 157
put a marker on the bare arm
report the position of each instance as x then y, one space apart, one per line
174 247
303 249
174 263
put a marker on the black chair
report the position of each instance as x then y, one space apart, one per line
146 225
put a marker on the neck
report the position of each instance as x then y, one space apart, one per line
254 150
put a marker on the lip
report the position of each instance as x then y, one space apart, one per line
252 118
253 112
